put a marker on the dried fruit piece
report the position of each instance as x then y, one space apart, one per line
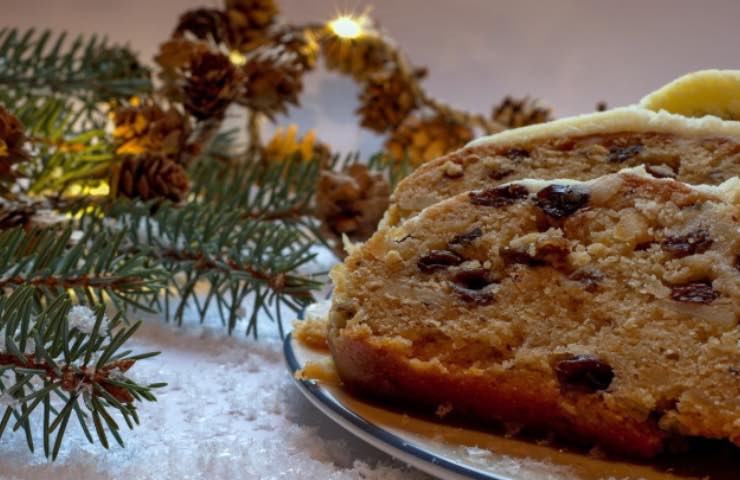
692 243
589 278
694 292
644 245
622 154
546 254
584 372
473 279
560 201
478 297
500 174
438 259
466 238
516 154
498 196
514 257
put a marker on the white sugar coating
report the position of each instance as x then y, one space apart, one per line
624 119
230 411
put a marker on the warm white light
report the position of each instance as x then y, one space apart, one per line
237 58
347 26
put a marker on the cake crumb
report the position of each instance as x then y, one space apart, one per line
393 258
311 332
453 170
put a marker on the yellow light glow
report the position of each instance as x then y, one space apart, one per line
100 189
237 58
347 26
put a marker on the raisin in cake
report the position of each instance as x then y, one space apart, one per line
605 311
694 150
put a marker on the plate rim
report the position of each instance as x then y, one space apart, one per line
394 444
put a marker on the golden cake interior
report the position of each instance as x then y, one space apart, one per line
624 290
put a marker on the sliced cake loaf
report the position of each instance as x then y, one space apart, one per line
606 311
694 150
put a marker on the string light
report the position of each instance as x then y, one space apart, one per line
237 58
348 26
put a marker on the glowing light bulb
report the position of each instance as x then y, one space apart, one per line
347 26
237 58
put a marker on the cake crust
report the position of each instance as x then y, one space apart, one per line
371 371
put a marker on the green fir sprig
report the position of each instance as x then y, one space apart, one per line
88 69
65 370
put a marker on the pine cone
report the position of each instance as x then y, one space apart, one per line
272 81
386 101
150 177
351 202
12 144
424 139
285 145
204 24
211 84
249 21
515 113
147 128
358 57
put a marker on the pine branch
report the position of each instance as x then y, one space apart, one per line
66 368
215 258
88 69
92 266
281 191
64 151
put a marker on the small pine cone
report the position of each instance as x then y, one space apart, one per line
175 55
358 57
273 80
145 127
210 85
151 177
514 113
204 24
249 21
12 144
424 139
386 101
351 202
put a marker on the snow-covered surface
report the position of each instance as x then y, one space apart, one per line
230 410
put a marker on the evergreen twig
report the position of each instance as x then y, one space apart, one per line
45 362
88 69
93 267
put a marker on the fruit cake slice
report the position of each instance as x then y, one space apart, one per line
606 311
693 150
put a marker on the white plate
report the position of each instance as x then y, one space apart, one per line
453 451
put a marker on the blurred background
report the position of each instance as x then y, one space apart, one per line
568 53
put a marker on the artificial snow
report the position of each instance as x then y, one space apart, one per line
83 319
230 410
